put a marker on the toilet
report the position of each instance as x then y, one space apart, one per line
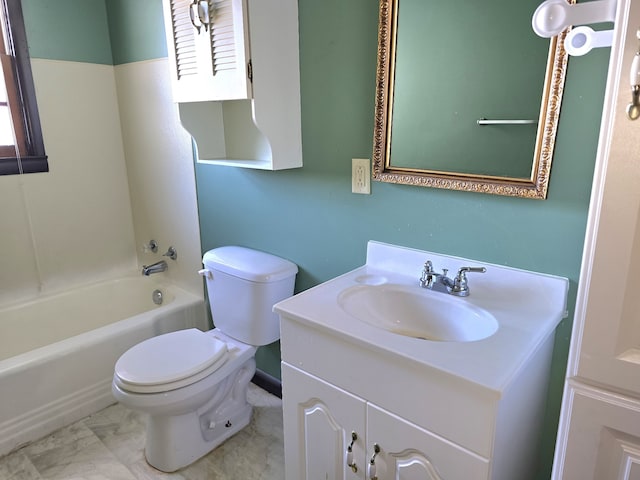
193 384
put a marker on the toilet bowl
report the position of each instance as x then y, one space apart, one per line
193 384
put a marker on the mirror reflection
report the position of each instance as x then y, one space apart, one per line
467 98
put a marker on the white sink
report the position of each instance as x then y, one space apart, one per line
484 338
416 312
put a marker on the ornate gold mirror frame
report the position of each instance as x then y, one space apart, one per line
383 170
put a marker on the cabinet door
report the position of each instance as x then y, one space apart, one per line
603 436
608 306
318 421
408 452
208 62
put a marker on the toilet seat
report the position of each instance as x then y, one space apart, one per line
170 361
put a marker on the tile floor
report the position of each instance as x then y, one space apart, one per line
109 445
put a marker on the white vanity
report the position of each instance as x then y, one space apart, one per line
370 393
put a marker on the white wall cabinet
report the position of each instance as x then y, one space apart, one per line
320 419
236 78
209 60
599 433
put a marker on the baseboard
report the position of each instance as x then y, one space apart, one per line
268 382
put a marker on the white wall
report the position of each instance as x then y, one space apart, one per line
111 187
73 224
159 161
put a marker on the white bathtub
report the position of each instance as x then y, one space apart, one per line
57 353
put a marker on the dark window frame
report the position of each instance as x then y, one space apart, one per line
31 157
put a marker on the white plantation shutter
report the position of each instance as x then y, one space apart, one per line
211 64
184 39
223 44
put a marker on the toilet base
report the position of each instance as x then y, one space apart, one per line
175 441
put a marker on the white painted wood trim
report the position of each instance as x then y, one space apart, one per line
599 177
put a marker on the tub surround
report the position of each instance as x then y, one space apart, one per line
55 217
121 165
159 161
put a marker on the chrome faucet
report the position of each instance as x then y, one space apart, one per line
157 267
439 282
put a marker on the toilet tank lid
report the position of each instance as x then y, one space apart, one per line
249 264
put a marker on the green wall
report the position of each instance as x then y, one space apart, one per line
136 29
309 215
109 32
73 30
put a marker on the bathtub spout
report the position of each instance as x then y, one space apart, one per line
157 267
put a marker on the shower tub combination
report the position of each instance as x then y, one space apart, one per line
57 353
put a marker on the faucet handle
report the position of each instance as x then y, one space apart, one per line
426 275
172 253
152 246
464 270
460 285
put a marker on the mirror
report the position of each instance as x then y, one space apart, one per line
466 98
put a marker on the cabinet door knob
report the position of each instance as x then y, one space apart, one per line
372 463
193 15
350 462
200 14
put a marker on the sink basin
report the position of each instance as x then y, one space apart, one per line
418 313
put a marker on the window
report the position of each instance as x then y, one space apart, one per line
21 145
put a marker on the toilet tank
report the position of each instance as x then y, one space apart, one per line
243 285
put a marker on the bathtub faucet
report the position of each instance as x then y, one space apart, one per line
157 267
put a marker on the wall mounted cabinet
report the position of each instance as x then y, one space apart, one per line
236 78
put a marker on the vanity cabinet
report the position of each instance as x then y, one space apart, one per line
235 74
457 408
323 422
427 424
